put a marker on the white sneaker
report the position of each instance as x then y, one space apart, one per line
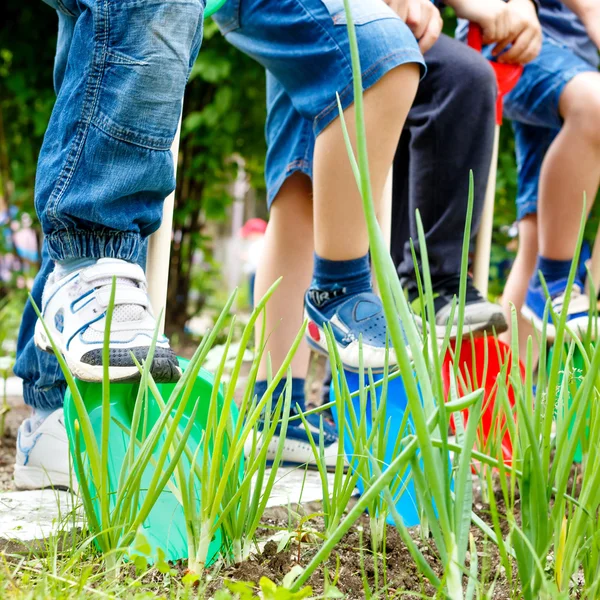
74 310
43 455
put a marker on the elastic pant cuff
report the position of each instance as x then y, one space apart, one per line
66 245
48 399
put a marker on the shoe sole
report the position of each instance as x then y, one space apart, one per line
35 478
353 369
538 325
495 325
163 370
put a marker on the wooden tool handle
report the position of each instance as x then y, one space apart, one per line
159 249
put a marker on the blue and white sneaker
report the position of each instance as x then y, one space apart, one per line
361 314
578 318
297 450
74 310
42 459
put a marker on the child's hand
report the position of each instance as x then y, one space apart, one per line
422 18
525 37
491 15
512 23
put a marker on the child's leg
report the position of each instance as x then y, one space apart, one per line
287 252
288 247
449 131
515 289
290 39
531 144
340 228
341 293
571 168
104 170
558 94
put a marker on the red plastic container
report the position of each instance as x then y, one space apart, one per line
507 75
475 374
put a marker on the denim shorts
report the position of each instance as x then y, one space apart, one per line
303 45
533 107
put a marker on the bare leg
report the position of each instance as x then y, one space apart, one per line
287 252
517 282
570 168
340 229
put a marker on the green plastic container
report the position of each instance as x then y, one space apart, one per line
165 526
578 365
212 6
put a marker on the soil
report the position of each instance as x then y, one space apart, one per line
352 562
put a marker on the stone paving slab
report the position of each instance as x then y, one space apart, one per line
29 517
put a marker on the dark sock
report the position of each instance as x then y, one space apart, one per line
260 387
334 280
552 270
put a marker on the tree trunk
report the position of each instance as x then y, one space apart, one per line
184 243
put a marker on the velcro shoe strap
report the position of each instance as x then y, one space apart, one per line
104 269
123 295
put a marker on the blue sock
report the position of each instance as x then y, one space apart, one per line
65 267
334 280
39 416
260 387
552 270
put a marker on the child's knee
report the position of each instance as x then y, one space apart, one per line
476 81
580 105
402 79
394 91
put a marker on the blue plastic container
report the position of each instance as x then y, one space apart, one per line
405 496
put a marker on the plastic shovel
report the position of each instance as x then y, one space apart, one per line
165 526
507 77
480 361
480 365
405 496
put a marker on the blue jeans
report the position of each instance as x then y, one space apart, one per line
303 45
533 107
105 166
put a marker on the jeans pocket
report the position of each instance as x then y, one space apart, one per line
227 18
150 45
363 11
